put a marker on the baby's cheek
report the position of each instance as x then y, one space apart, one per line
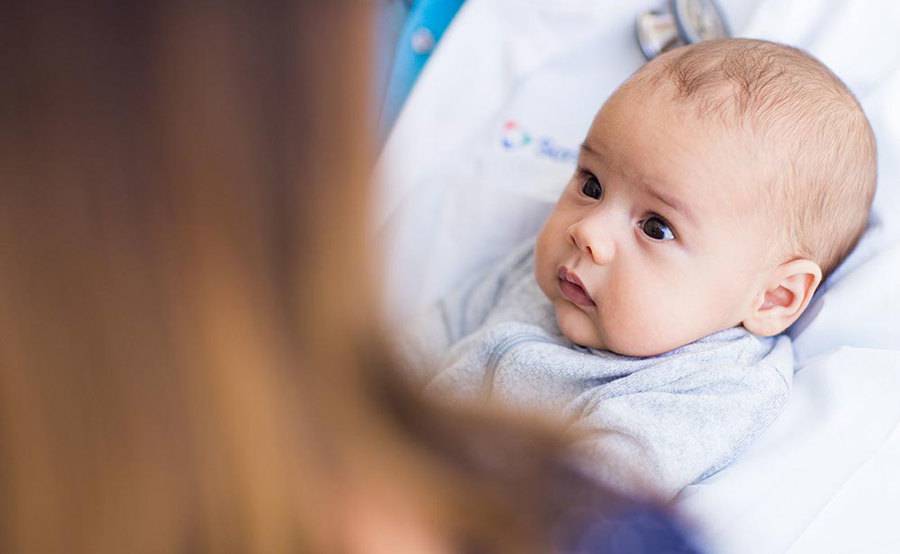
649 323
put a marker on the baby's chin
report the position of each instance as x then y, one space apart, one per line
577 326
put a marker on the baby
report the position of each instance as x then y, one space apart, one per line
715 189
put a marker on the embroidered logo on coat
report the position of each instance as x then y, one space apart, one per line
514 137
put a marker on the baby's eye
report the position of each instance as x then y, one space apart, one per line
592 187
657 229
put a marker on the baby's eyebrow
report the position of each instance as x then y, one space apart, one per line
672 202
585 147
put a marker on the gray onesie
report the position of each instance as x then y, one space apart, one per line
652 424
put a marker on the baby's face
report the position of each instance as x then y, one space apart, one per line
658 239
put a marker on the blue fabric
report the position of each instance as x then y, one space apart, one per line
585 518
640 530
431 15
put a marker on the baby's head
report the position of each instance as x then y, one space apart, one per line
716 187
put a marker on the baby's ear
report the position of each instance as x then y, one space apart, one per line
786 295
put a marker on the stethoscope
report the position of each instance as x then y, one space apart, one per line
679 22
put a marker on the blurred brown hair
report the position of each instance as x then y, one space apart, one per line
190 357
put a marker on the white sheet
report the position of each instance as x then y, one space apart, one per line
455 197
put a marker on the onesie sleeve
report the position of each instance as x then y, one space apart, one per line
427 338
662 437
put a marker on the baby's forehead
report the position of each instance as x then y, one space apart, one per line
668 127
713 118
656 145
718 106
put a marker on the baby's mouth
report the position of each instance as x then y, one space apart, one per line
572 288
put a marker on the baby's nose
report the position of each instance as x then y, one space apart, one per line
597 243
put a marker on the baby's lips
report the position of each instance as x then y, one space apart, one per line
572 288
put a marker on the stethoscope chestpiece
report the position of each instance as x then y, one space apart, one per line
679 22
